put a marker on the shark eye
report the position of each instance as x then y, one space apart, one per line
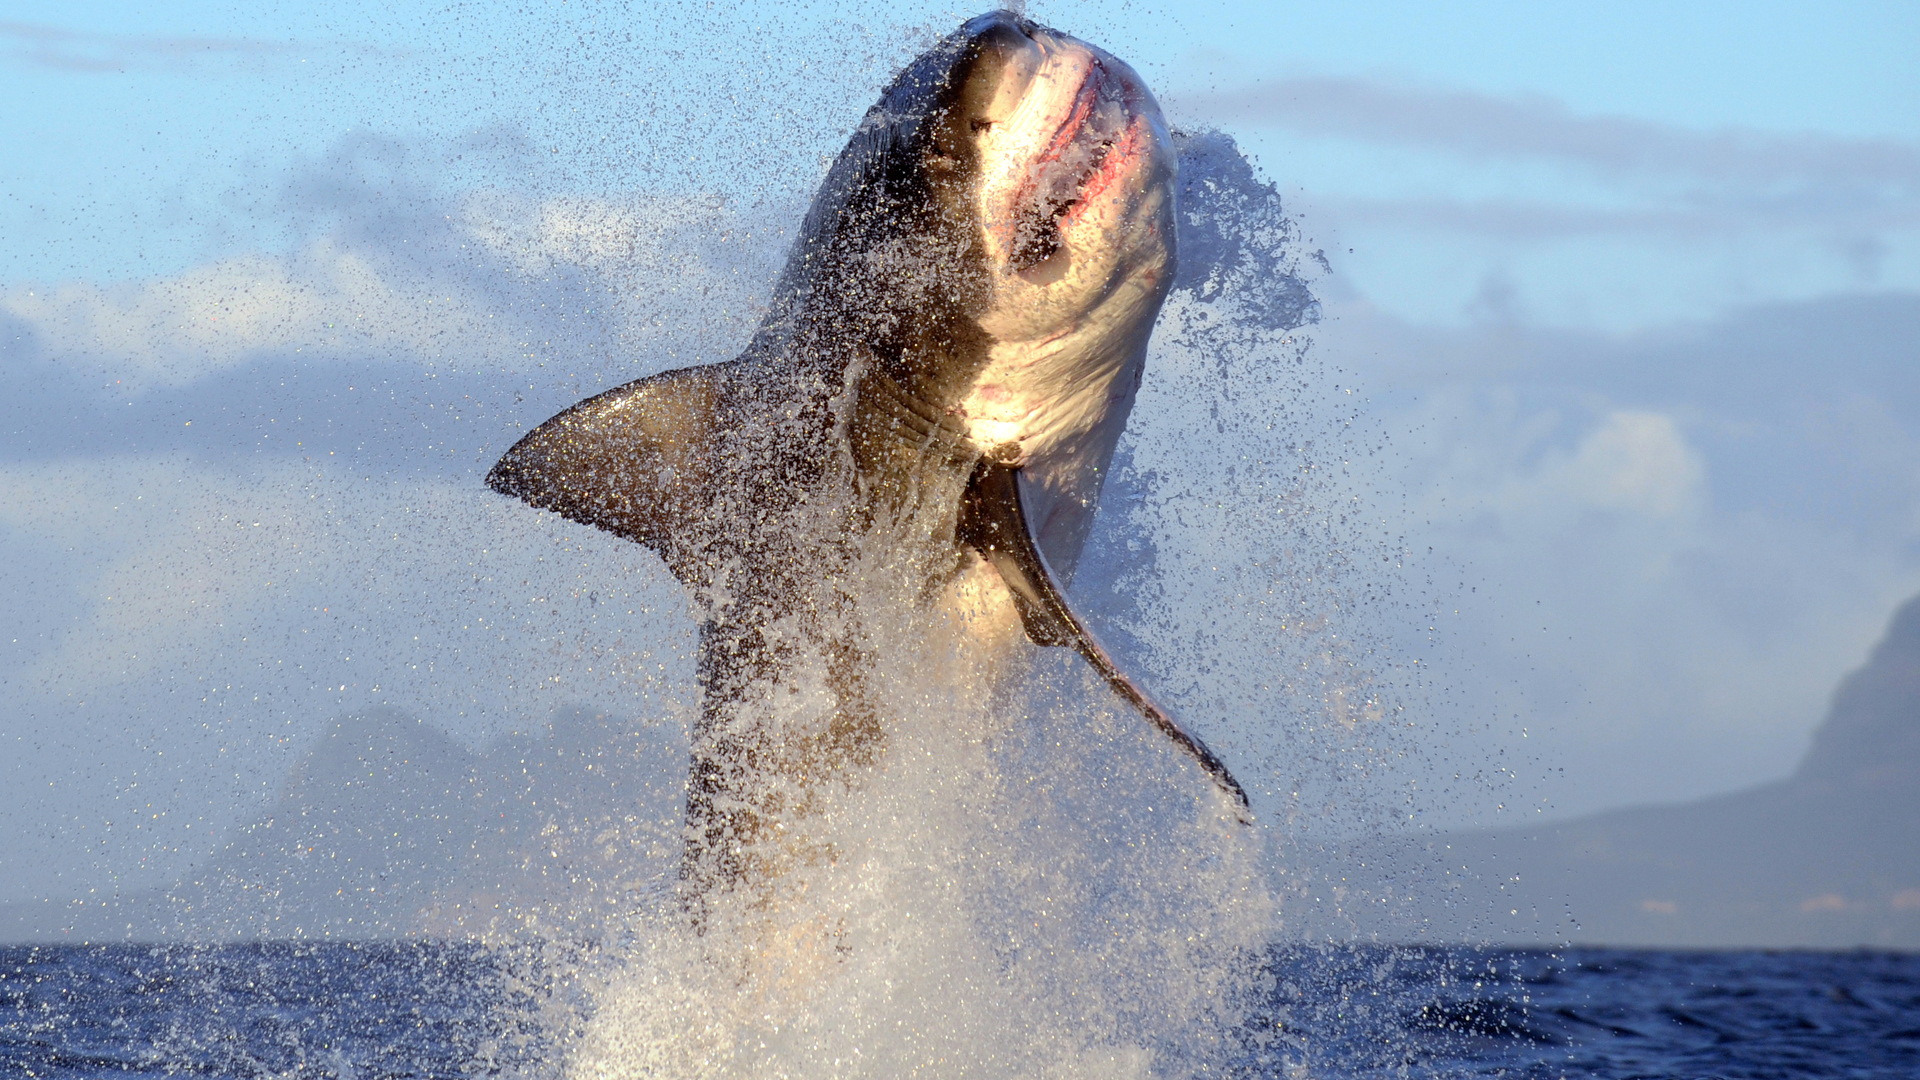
982 125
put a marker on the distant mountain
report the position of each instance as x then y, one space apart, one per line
1828 858
387 828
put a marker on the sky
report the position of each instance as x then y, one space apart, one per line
1623 300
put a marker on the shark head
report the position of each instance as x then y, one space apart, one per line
1072 181
998 237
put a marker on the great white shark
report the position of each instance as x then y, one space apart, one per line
949 359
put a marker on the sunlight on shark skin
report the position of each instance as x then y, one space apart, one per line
925 417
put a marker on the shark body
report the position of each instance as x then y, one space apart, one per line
949 359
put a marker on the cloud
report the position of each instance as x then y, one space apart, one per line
326 298
197 621
1520 219
244 498
92 51
1657 550
1485 126
1634 462
292 571
395 270
1655 182
1712 520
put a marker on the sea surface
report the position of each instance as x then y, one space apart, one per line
365 1011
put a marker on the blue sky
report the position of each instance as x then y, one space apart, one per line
147 138
1623 300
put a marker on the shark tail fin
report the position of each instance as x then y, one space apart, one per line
635 461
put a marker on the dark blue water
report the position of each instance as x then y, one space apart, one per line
326 1010
1609 1013
371 1011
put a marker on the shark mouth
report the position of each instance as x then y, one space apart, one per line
1096 143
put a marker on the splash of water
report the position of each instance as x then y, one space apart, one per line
1026 882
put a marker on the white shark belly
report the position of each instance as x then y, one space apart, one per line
1063 402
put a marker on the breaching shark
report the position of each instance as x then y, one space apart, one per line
948 361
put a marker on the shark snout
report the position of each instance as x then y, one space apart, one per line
1045 112
1000 31
1007 54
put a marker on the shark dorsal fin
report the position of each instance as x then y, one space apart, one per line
635 461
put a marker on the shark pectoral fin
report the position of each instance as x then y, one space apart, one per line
634 461
993 521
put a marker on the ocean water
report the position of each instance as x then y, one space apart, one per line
366 1011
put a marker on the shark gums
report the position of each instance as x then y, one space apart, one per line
950 356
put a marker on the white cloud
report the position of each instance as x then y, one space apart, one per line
501 287
1632 461
325 300
184 617
92 51
1658 552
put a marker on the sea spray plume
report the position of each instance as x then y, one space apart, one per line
928 410
1020 881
